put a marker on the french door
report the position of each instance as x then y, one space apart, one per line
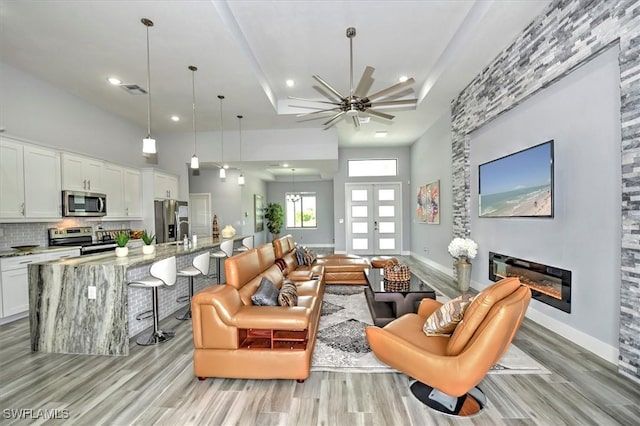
200 212
373 218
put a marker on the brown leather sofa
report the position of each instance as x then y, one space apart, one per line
337 268
448 368
235 339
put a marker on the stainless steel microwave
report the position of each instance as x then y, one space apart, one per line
79 203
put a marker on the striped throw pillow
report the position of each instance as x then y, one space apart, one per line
288 294
444 321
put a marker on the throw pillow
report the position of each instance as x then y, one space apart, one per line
288 294
309 257
266 295
300 255
282 265
443 321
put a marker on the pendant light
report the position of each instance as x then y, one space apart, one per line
148 143
293 196
195 163
223 172
241 177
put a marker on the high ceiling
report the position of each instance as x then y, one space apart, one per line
246 50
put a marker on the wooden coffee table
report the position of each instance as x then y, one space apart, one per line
386 305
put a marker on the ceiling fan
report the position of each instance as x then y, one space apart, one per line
357 101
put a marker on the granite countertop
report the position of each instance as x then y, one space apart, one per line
37 250
137 258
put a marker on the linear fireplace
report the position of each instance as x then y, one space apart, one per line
548 284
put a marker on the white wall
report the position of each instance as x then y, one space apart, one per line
431 161
35 111
581 112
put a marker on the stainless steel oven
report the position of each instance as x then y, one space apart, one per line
80 236
79 203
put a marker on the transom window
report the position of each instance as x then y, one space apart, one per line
372 167
301 210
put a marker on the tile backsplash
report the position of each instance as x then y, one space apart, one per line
15 234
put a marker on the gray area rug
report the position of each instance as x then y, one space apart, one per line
342 345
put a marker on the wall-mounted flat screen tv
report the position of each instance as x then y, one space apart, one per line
519 184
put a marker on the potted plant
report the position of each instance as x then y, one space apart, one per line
274 213
148 247
121 240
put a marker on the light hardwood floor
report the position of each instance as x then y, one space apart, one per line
155 385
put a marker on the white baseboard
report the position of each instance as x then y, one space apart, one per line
448 270
340 252
607 352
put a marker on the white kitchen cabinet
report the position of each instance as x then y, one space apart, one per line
165 186
30 184
15 284
81 173
113 182
132 193
42 186
14 279
12 179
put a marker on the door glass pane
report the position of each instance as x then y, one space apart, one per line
386 194
359 211
360 243
387 243
386 211
359 228
387 227
358 195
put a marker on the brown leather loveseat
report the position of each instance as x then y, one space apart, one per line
338 268
235 339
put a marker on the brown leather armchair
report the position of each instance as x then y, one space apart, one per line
448 368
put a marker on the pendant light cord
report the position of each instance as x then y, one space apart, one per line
193 89
240 133
221 97
148 82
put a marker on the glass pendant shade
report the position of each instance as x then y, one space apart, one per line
195 163
149 146
241 179
223 173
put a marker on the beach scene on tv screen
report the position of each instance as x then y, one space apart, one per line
517 185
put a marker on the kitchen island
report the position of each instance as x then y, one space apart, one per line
64 319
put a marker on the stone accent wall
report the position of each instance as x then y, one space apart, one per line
566 35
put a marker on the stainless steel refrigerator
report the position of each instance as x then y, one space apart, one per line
172 220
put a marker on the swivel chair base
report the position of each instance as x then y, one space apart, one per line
155 338
468 404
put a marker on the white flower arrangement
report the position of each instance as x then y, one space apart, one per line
463 247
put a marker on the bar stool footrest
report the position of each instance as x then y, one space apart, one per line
144 315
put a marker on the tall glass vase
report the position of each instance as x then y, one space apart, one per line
463 269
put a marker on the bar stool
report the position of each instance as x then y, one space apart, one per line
247 244
200 266
226 250
163 274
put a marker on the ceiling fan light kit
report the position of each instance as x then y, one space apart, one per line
357 103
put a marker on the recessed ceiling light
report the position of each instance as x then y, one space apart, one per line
381 134
115 81
403 78
290 83
175 118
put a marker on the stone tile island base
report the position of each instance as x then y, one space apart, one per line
63 319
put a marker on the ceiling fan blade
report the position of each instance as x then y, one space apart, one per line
313 100
327 95
328 86
365 82
384 92
322 111
356 121
398 102
379 114
305 107
333 119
